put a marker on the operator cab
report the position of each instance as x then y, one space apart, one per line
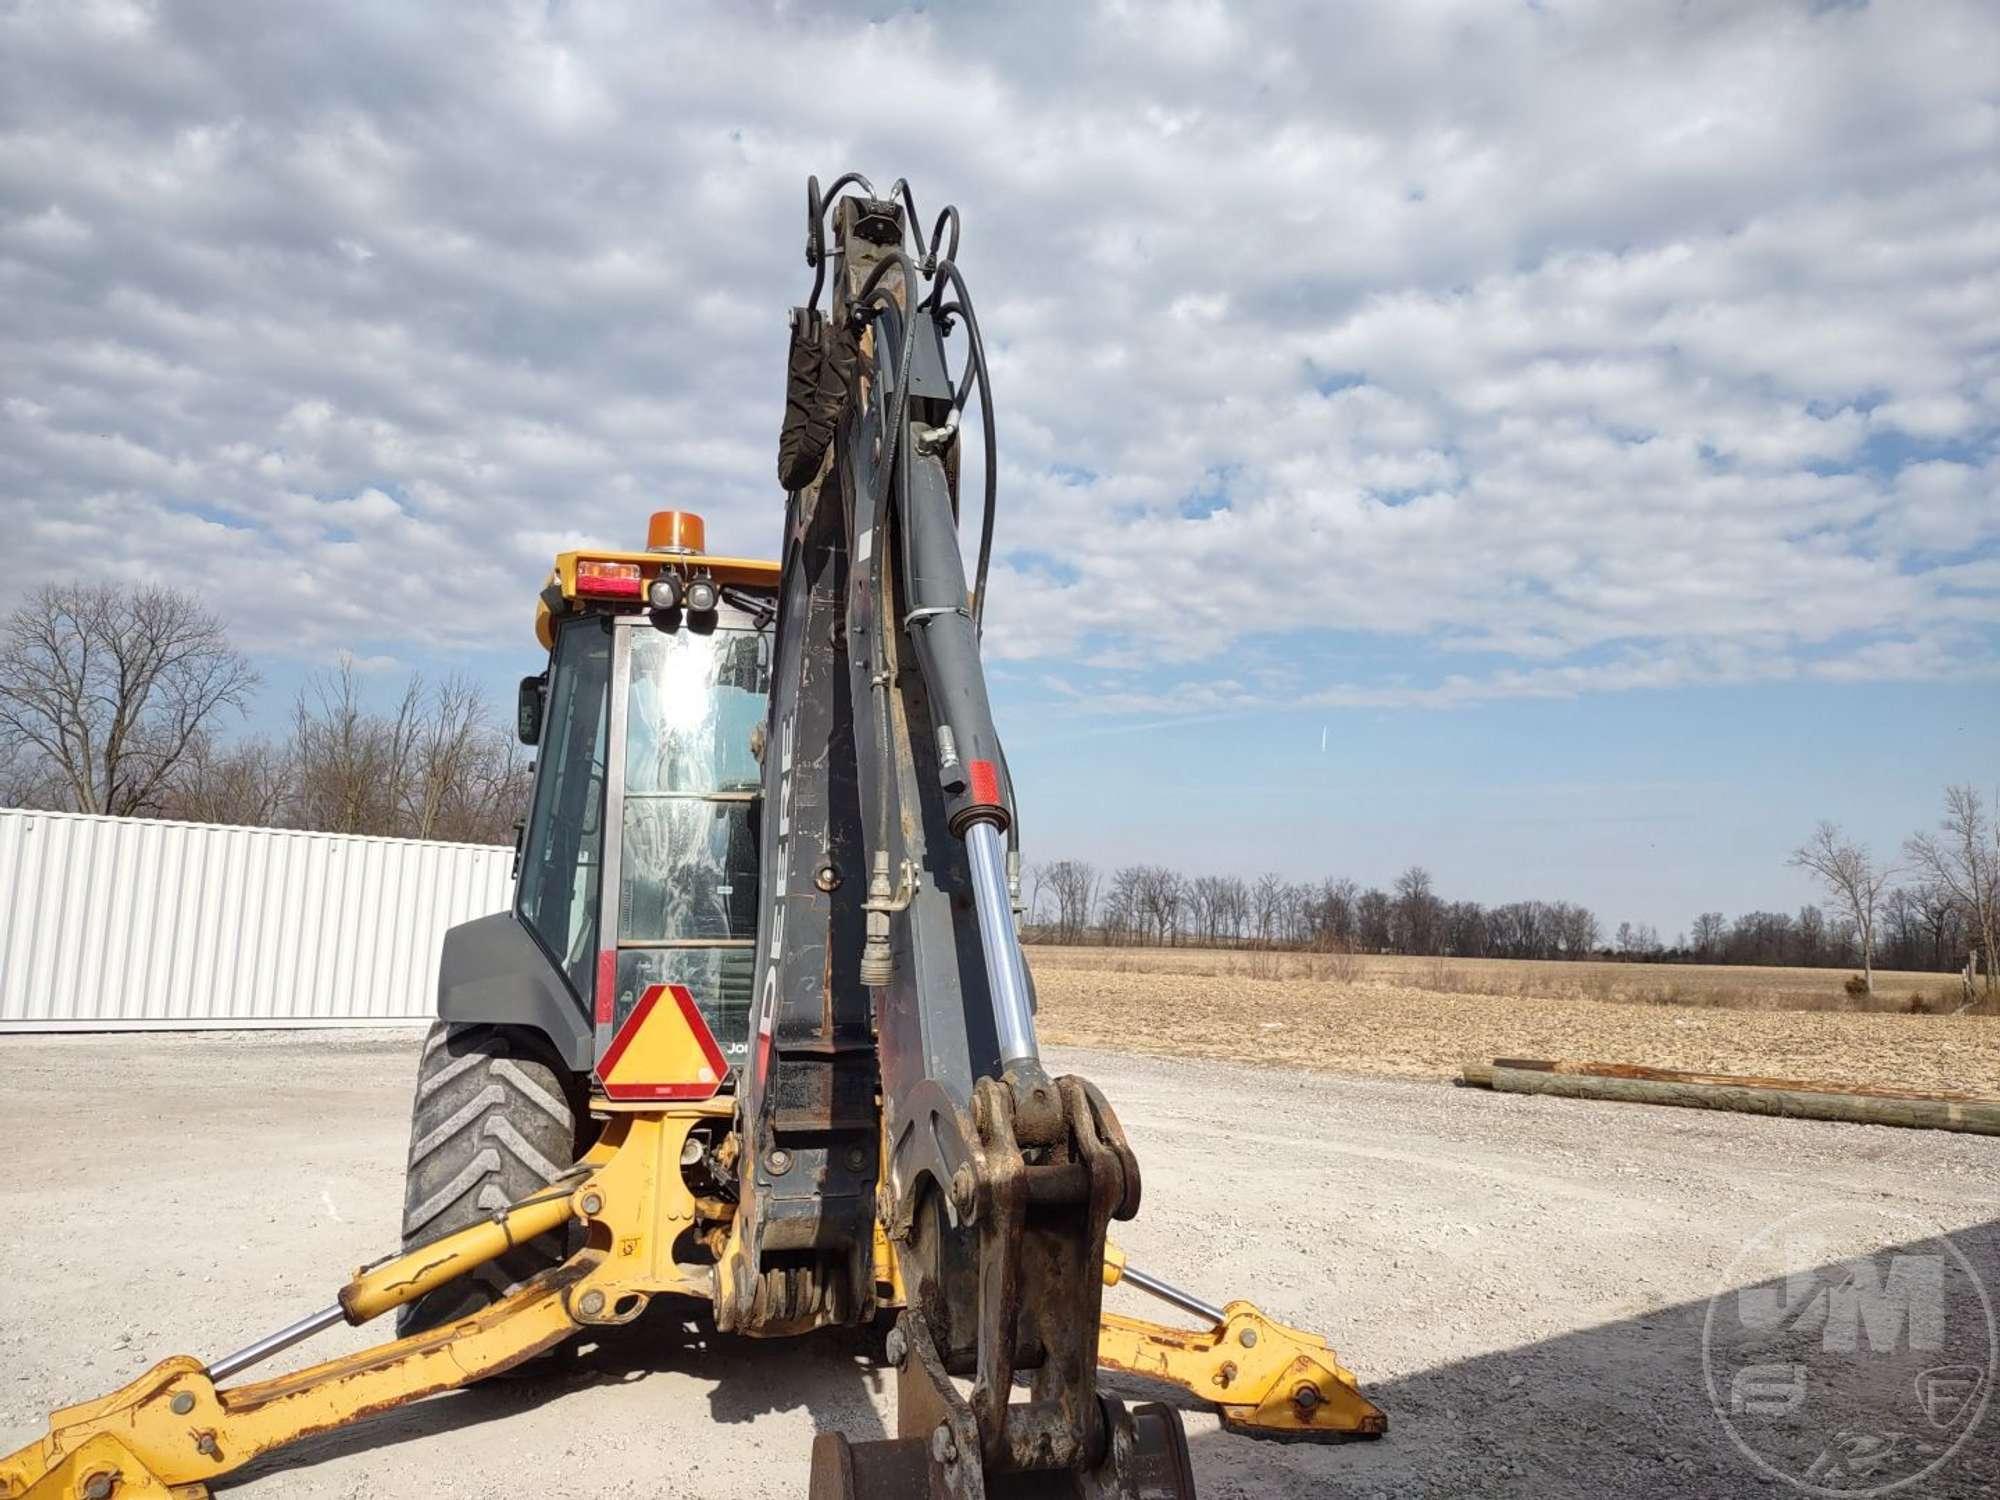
649 721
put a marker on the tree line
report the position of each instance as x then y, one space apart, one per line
114 700
1936 909
1072 901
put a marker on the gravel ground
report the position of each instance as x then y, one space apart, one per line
1521 1283
1379 1027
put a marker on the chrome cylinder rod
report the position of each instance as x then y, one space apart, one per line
277 1343
1166 1291
1006 970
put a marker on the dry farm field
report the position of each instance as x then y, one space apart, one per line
1426 1017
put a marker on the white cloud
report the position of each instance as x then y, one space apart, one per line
1604 345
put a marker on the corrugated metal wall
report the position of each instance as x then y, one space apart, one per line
116 923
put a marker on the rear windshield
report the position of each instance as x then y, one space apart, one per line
687 881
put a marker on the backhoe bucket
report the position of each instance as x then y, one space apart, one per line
1148 1446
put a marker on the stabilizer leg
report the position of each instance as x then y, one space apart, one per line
176 1429
1264 1378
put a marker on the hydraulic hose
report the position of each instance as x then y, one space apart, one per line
817 205
976 372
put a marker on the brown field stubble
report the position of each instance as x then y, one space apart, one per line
1427 1017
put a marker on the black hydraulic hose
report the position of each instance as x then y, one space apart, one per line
817 206
902 190
929 248
846 180
894 260
948 215
975 370
815 244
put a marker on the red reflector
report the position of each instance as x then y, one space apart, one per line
607 985
614 580
985 782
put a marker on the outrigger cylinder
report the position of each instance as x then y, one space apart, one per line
1166 1291
390 1283
276 1343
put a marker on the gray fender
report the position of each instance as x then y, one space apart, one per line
493 971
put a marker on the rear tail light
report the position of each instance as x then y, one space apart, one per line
608 580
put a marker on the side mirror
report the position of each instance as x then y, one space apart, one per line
528 709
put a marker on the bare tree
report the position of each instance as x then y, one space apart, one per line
1710 928
1124 918
1206 900
1936 913
1294 908
1235 906
353 766
1520 929
1963 860
26 779
1416 911
1853 879
111 688
1266 894
1809 935
1373 912
1467 929
249 783
1072 886
1336 913
432 767
1572 929
466 779
1162 895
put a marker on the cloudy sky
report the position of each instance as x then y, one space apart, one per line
1554 442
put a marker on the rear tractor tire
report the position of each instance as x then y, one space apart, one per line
497 1118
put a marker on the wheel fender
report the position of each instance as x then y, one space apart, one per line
492 970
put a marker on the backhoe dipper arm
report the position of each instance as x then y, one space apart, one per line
889 800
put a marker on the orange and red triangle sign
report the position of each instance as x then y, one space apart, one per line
662 1052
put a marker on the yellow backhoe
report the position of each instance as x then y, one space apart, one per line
758 1031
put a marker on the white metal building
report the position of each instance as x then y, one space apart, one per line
131 923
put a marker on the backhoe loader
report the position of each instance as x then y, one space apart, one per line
758 1030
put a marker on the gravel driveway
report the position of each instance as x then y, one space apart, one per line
1522 1283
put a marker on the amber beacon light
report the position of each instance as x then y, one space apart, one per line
675 531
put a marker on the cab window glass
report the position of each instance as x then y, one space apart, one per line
557 894
694 701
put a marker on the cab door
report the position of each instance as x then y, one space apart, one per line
690 696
